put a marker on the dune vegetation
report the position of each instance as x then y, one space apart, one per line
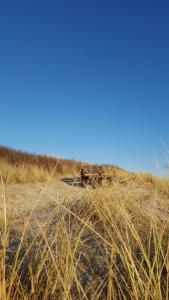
104 243
23 167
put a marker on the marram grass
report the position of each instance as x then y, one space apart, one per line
113 244
108 243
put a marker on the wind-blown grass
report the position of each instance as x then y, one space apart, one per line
111 245
108 243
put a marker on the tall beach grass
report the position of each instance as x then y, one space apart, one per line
109 243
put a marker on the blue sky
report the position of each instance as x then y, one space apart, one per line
87 80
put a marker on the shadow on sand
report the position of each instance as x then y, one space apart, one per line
75 181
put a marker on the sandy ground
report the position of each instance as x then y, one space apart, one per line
22 198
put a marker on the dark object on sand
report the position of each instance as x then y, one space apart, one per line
94 176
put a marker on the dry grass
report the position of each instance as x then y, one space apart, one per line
109 243
23 167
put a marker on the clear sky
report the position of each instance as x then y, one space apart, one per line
87 80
